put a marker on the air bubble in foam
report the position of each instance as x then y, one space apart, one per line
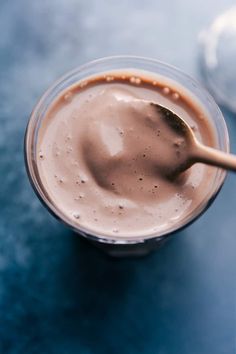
109 78
68 96
166 90
175 96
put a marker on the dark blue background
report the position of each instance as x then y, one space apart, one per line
58 294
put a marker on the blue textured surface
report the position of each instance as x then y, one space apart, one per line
59 295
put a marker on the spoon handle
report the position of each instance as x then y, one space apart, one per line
215 157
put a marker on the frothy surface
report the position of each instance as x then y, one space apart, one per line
102 158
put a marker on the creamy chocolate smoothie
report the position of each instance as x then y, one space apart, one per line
104 157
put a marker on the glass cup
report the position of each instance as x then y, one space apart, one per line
117 245
218 57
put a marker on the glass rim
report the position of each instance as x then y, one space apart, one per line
32 171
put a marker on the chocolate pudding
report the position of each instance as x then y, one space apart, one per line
102 156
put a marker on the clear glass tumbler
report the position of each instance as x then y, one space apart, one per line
116 245
218 58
